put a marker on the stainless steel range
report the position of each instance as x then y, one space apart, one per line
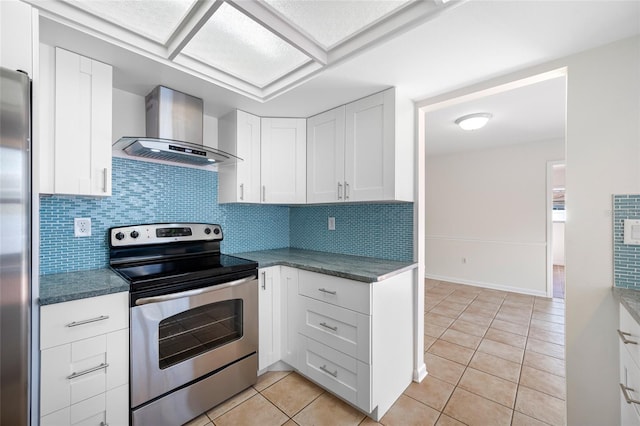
194 326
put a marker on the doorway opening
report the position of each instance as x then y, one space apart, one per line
556 220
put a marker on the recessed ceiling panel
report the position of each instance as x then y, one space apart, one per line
154 19
237 45
330 22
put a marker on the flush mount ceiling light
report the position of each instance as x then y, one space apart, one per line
473 121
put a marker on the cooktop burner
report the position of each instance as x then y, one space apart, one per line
172 257
208 265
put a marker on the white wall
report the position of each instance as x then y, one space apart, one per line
603 138
603 158
486 215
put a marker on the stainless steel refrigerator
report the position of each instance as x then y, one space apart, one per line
15 246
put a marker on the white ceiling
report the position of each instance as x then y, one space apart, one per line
468 43
531 113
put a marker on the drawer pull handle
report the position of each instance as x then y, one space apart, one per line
626 341
627 397
241 191
331 373
339 191
88 370
87 321
324 290
325 325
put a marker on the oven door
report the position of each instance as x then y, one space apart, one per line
180 337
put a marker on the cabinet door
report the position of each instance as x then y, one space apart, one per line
325 157
268 316
16 36
248 128
284 160
369 148
289 315
83 115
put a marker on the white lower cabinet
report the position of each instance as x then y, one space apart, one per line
268 316
629 370
289 316
85 362
354 339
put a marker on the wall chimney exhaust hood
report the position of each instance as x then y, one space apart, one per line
174 131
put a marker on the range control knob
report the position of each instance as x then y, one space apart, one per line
207 231
216 231
119 236
134 234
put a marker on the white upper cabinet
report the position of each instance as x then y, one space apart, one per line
239 134
361 152
283 160
16 35
325 156
78 159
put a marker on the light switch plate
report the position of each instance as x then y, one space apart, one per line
82 227
332 223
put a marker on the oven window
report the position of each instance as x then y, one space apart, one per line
199 330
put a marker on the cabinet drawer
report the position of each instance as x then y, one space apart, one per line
342 329
630 378
111 408
631 330
348 294
343 375
79 319
80 370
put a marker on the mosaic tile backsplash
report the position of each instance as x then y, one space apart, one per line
146 192
626 258
375 230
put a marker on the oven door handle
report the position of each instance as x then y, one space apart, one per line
190 293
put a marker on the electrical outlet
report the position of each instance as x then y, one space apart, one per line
82 227
332 223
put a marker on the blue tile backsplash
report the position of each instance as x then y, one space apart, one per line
146 192
626 258
375 230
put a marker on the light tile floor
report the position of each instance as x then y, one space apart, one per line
493 357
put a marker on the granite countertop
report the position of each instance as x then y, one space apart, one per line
56 288
630 299
365 269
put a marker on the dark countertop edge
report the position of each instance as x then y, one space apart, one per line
408 266
63 287
627 297
340 274
51 300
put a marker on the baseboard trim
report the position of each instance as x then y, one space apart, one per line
492 286
420 373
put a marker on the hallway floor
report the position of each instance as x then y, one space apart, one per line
493 357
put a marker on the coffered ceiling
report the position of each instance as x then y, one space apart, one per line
258 48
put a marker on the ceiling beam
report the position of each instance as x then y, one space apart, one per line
193 22
264 15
